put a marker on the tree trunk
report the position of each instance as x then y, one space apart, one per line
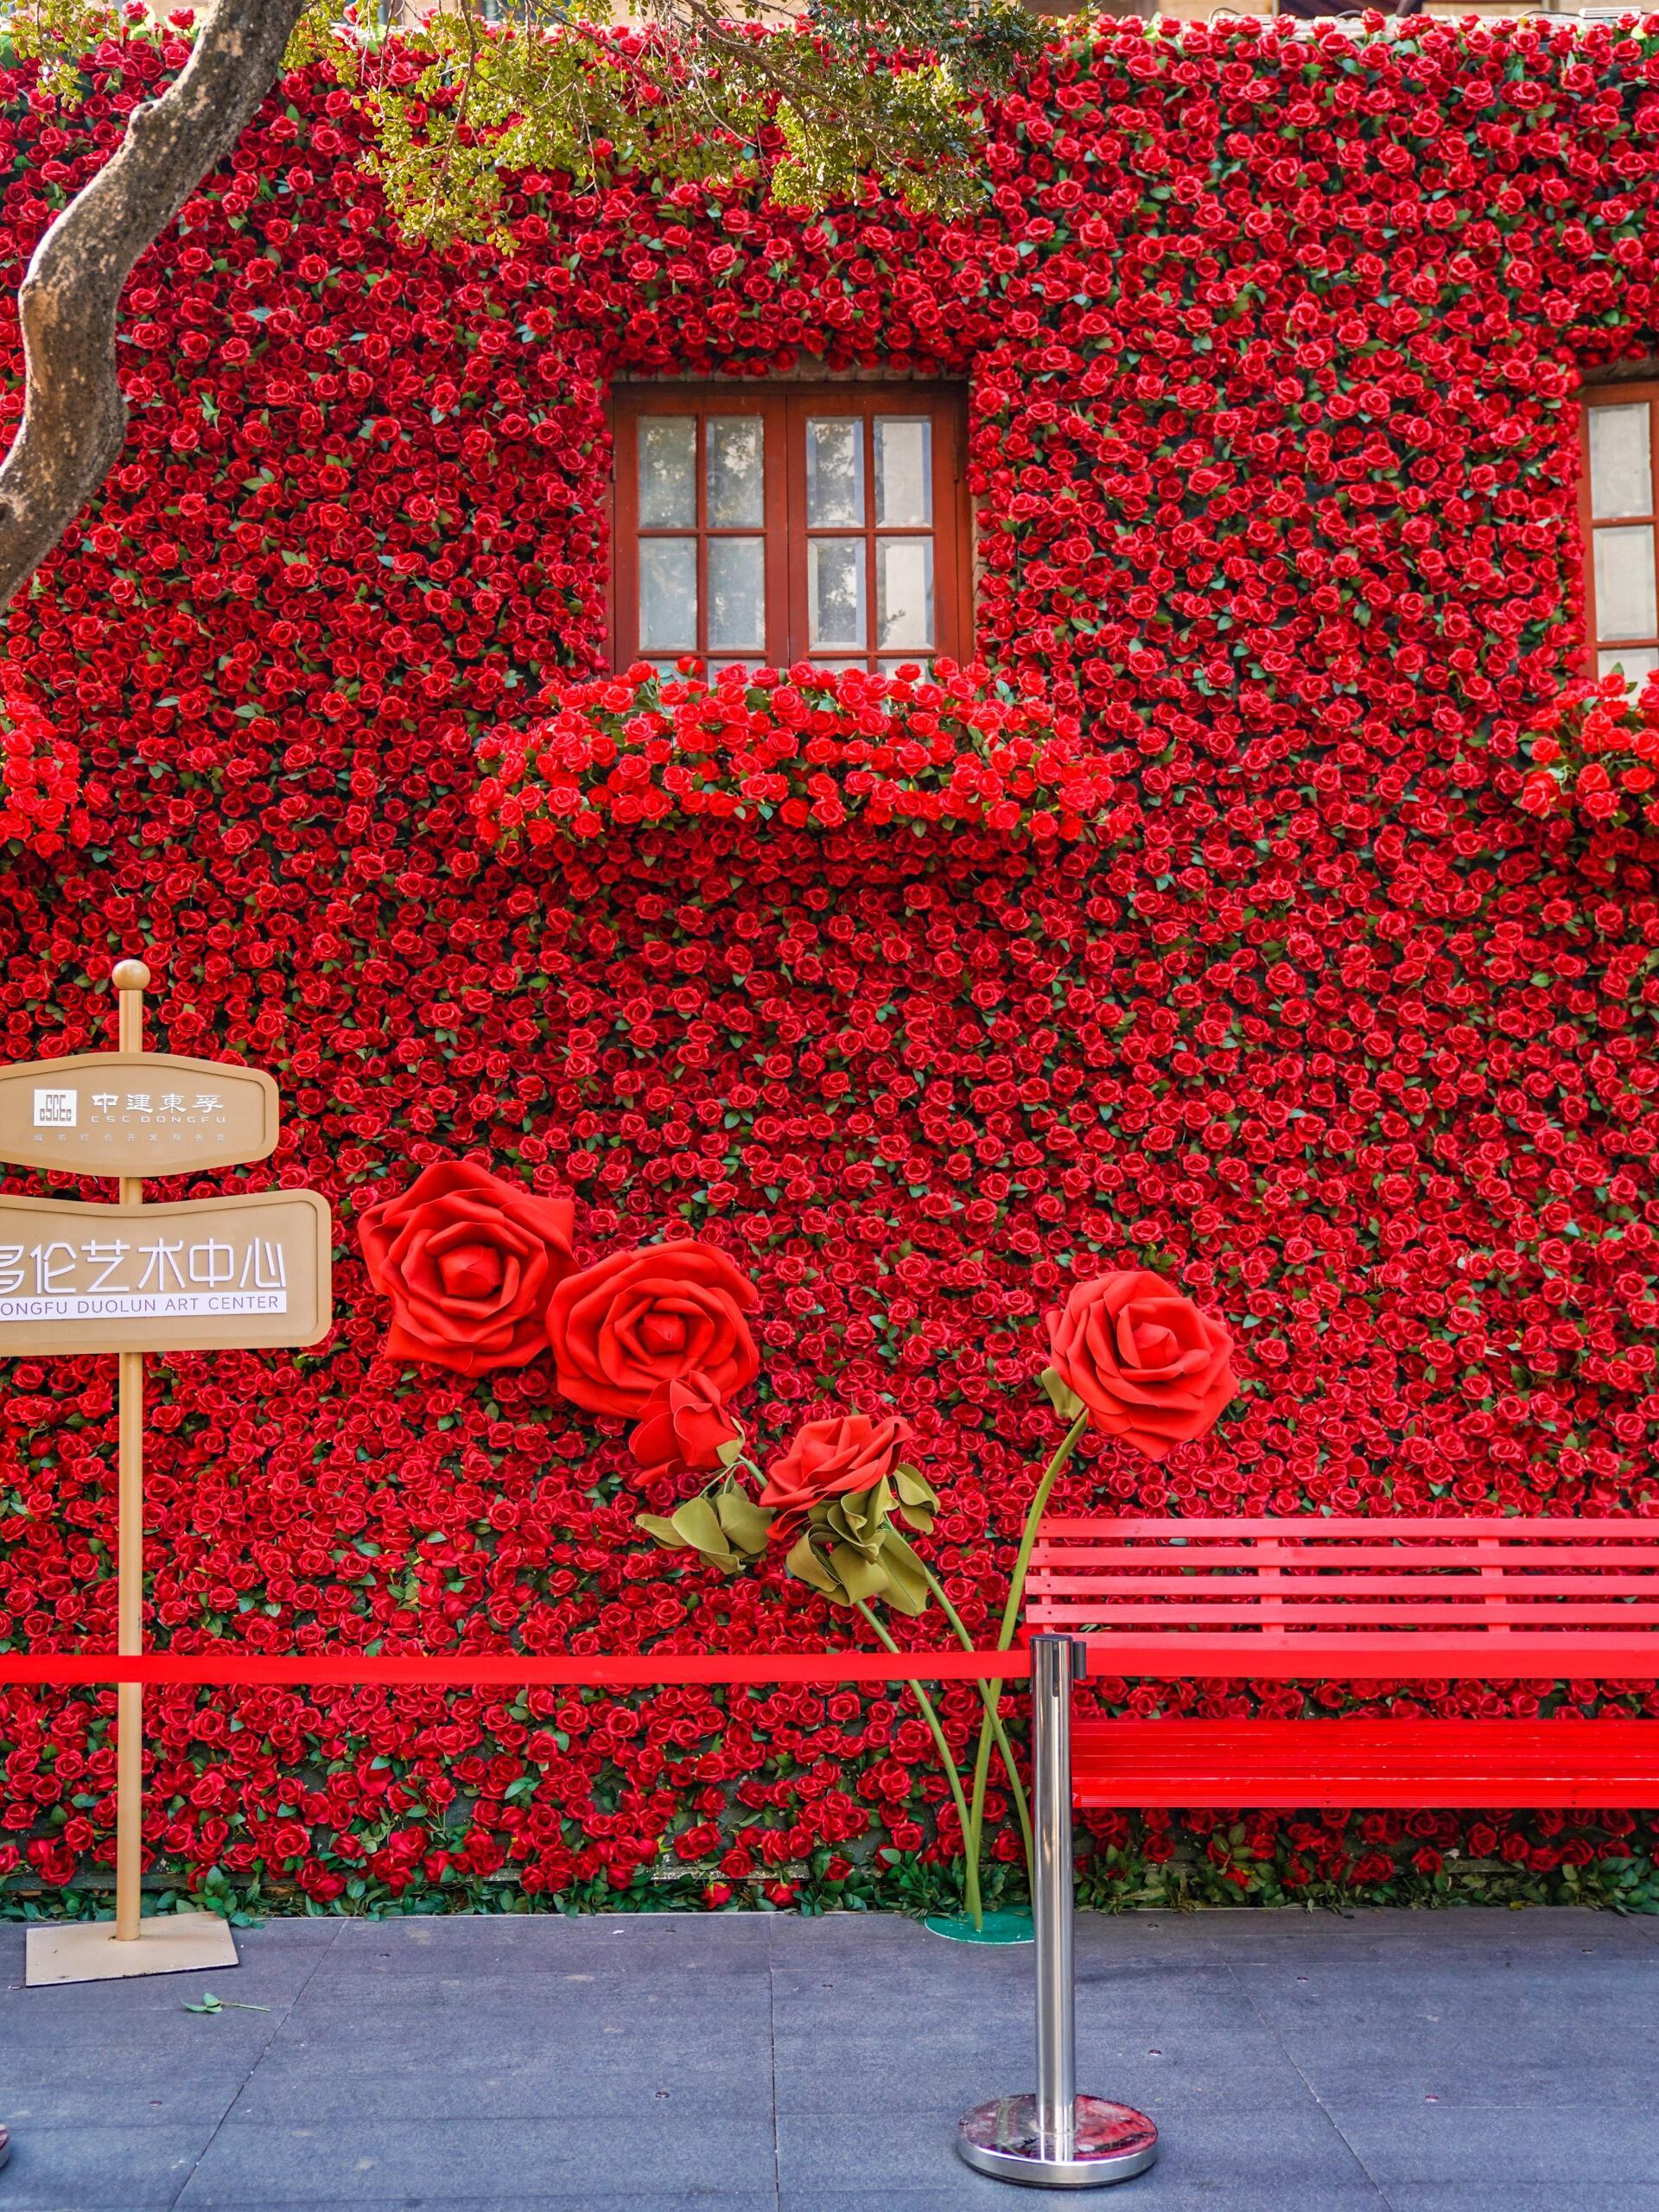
74 418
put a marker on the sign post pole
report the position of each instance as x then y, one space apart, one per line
244 1270
132 979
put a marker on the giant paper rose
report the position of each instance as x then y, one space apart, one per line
832 1459
1147 1364
686 1425
469 1263
623 1330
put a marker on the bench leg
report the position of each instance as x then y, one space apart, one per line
1055 2139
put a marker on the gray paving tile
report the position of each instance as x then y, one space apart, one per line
1569 2143
719 2199
63 2087
75 2168
1466 2028
442 2161
589 2069
1277 2152
1523 2197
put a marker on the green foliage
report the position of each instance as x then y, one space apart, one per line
814 104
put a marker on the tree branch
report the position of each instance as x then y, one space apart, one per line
74 417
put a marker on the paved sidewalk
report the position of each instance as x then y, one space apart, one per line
1449 2061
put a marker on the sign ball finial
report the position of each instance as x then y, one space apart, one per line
129 975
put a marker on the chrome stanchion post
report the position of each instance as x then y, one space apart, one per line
1055 2139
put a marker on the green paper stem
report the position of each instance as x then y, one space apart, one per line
971 1864
988 1694
1039 1505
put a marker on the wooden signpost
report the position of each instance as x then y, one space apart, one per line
204 1275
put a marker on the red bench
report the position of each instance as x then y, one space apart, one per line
1382 1600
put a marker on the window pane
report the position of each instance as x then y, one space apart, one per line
736 473
1635 661
1624 604
835 471
837 667
904 591
1621 481
835 575
904 472
668 472
737 593
667 594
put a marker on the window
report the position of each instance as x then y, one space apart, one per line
813 523
1620 505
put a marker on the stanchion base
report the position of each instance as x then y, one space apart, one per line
1111 2142
86 1950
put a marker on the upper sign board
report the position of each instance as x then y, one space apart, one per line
135 1114
200 1274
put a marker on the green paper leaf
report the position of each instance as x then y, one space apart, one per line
698 1525
907 1588
731 1451
746 1523
806 1565
1064 1399
661 1531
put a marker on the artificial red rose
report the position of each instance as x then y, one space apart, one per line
625 1329
685 1426
1148 1365
834 1459
469 1263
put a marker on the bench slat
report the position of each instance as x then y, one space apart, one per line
1474 1612
1376 1558
1379 1529
1373 1656
1289 1583
1283 1766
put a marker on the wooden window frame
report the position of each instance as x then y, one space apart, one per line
1615 395
784 409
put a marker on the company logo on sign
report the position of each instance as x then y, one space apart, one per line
56 1109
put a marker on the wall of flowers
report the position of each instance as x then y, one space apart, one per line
1255 969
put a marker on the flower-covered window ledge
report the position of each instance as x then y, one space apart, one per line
799 747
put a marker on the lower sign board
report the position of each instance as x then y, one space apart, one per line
204 1275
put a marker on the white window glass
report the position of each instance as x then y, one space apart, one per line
668 595
837 667
668 472
904 591
835 577
1621 477
835 472
1635 662
737 593
904 471
736 473
1624 581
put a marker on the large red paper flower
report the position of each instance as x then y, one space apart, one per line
835 1458
685 1426
1148 1365
469 1263
623 1330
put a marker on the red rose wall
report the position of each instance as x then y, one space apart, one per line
1271 337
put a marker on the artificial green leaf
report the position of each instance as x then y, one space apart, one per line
806 1565
861 1578
746 1525
906 1577
663 1532
731 1451
698 1525
1064 1399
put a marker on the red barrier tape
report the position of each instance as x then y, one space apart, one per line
512 1670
